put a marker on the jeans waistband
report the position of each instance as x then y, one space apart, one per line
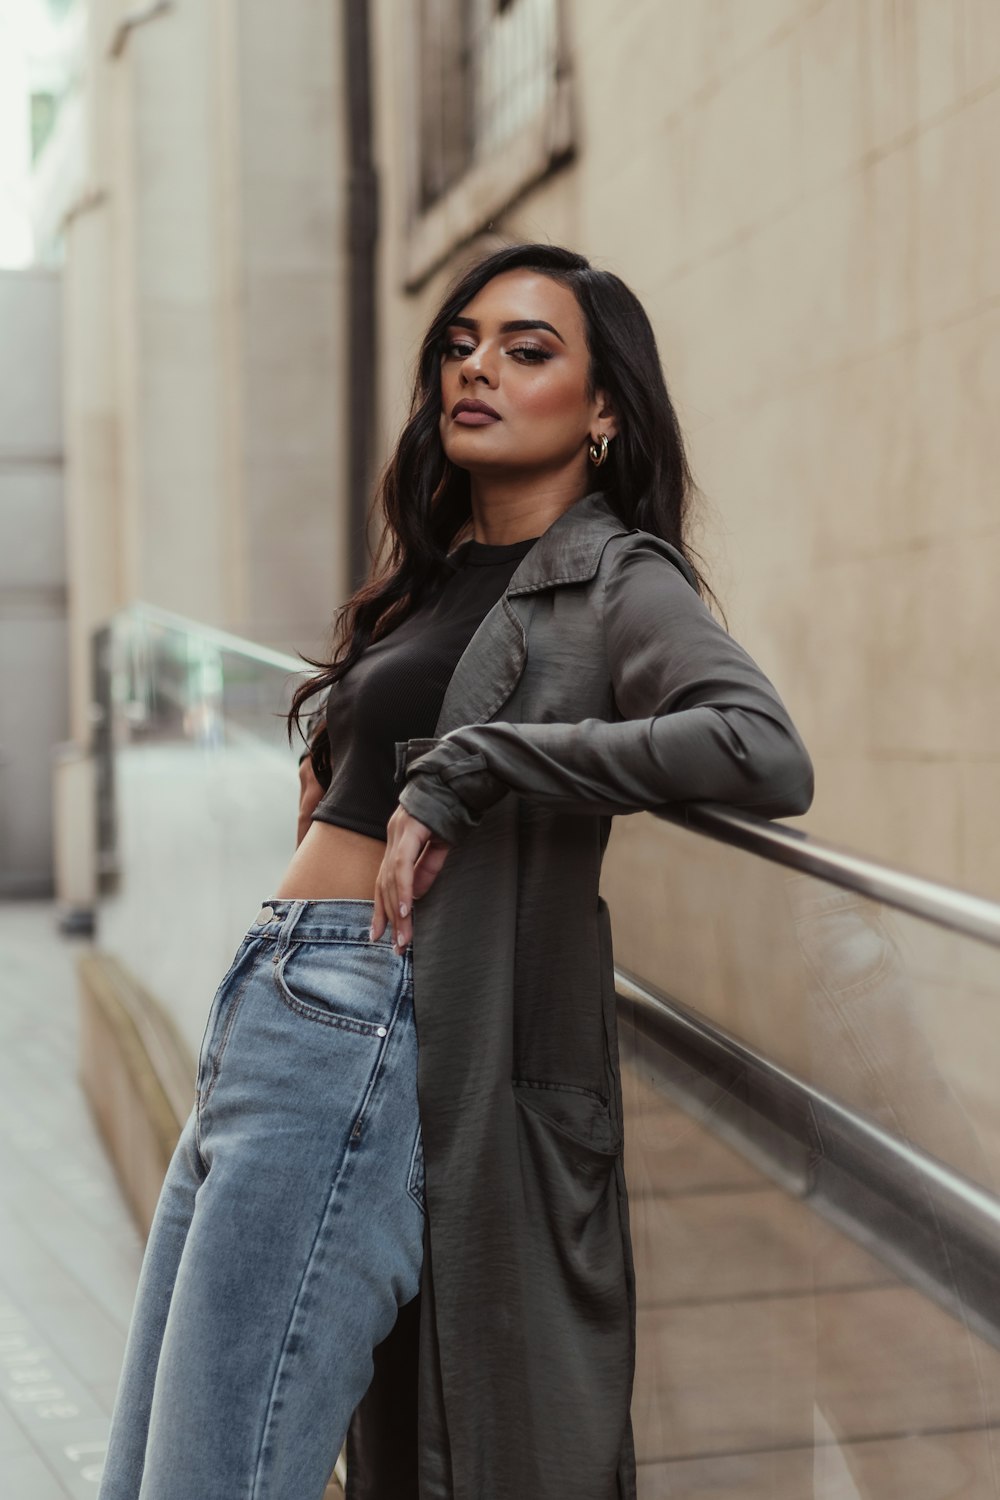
334 918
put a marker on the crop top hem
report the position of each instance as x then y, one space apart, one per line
395 691
357 825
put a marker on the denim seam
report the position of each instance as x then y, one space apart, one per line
217 1000
377 1069
418 1194
349 941
215 1058
260 1480
346 1159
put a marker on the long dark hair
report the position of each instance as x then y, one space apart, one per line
424 498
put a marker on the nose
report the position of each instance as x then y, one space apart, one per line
477 366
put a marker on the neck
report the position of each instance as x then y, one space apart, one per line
513 508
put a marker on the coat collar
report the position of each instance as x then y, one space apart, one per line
570 549
491 665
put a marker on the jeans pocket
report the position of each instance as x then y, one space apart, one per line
341 982
415 1182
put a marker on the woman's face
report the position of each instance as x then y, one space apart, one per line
520 348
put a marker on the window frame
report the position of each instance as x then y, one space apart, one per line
488 187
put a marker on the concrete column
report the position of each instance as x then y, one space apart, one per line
281 213
204 289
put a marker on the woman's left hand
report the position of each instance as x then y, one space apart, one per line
413 856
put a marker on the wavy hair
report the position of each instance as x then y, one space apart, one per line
424 499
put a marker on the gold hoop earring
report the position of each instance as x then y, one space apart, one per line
599 450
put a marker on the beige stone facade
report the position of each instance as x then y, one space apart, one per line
805 196
205 321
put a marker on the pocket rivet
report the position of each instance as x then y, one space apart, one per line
382 1031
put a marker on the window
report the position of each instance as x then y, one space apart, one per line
489 114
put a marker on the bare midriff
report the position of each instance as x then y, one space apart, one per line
332 862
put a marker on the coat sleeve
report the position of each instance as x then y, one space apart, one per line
700 722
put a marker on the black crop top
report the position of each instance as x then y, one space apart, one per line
395 689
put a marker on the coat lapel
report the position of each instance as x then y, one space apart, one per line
491 665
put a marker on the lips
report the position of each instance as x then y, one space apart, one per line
473 413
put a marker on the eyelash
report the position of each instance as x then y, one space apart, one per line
530 349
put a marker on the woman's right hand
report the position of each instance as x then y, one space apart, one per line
310 792
412 861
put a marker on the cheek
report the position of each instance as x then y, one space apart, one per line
551 398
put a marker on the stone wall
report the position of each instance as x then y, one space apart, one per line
805 196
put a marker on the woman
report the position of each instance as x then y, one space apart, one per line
491 705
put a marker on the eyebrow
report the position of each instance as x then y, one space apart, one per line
514 325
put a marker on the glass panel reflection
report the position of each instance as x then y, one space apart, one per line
199 797
811 1151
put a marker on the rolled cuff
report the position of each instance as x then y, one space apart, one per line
446 788
407 752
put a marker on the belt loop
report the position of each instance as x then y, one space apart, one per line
287 927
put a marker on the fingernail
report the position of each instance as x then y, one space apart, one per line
402 908
371 934
399 940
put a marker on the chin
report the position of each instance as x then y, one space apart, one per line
475 455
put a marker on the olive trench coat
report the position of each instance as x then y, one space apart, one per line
599 683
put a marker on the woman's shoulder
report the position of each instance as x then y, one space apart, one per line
638 549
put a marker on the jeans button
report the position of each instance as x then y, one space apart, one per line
264 916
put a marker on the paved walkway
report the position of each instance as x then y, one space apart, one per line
69 1252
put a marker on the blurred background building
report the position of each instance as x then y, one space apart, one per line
259 206
234 221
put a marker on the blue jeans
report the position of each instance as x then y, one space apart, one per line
289 1229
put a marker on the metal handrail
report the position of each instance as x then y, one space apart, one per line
945 905
660 1010
935 1226
223 640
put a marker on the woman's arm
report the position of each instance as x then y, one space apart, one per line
701 722
315 772
310 795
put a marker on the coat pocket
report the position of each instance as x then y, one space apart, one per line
579 1113
569 1152
569 1148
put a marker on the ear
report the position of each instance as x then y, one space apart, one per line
603 417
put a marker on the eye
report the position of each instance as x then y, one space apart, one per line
528 353
532 352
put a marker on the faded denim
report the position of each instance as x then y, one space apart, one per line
289 1230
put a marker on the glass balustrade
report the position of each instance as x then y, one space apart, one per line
812 1113
813 1158
198 800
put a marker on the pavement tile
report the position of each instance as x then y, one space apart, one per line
26 1476
69 1250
